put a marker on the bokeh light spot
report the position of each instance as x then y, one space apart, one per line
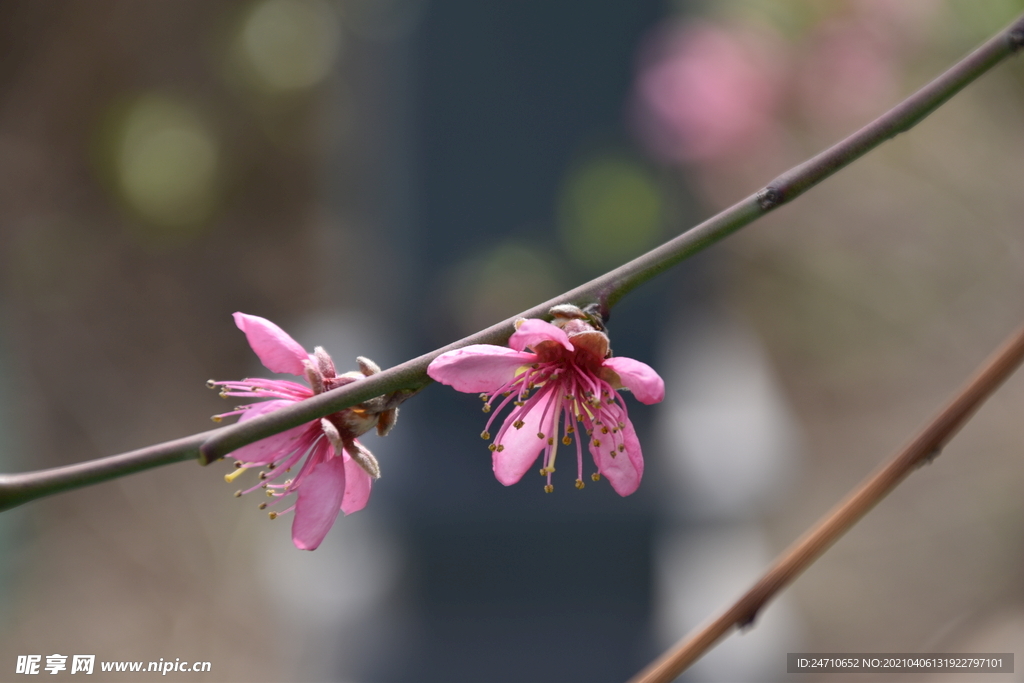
611 209
290 44
166 162
496 284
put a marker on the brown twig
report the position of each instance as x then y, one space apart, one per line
924 448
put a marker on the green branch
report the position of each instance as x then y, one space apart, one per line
606 290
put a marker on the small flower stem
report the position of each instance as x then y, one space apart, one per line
606 290
921 450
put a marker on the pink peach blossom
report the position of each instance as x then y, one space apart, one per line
338 470
704 91
564 380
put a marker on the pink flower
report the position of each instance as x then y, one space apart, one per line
338 470
706 92
565 379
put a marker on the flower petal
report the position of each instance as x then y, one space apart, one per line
640 378
273 447
357 487
478 368
276 350
533 331
318 504
522 446
624 469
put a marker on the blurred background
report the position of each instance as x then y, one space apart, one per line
381 177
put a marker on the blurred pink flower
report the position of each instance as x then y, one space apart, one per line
849 74
338 470
704 91
565 379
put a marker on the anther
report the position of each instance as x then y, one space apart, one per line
518 424
551 441
596 476
216 418
604 430
272 515
238 493
540 435
483 397
211 384
492 448
486 408
500 448
263 475
549 488
262 506
596 442
566 440
580 484
485 435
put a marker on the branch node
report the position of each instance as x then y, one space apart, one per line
930 458
769 198
1016 38
747 622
